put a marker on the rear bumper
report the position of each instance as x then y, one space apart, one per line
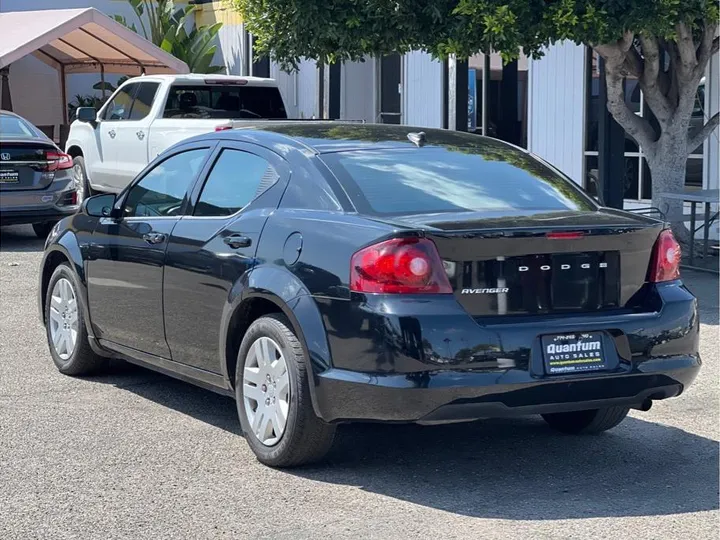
449 396
411 360
18 207
21 217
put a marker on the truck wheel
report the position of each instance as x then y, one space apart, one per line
273 397
587 422
84 189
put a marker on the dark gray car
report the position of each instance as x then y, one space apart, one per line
37 180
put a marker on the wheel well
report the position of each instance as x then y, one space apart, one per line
54 259
75 151
248 312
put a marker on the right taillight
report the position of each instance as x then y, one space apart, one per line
399 266
665 262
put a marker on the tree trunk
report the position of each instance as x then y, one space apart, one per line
667 167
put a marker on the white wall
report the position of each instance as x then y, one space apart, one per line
298 89
712 144
422 90
357 90
557 108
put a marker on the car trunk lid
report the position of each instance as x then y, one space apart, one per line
27 164
561 262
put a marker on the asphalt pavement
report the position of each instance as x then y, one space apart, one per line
134 454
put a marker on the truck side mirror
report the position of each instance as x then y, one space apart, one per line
86 114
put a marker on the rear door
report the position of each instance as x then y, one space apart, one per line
131 139
126 263
212 249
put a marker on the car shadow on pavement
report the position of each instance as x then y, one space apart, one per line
506 468
19 238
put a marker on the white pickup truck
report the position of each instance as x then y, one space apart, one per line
148 114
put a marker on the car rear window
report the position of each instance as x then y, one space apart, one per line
224 101
12 127
438 179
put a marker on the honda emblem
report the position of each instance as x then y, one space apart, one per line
5 156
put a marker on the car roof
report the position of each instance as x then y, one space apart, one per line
323 137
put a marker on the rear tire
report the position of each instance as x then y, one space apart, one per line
78 359
586 422
43 229
305 437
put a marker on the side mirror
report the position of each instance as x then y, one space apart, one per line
100 206
86 114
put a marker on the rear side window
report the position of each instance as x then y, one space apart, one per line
224 101
437 179
120 106
143 100
235 180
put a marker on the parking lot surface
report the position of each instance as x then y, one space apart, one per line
135 454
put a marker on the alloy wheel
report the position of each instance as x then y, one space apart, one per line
63 318
266 390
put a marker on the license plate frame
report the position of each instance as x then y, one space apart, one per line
9 177
574 352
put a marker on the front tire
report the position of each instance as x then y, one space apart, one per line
84 190
272 393
65 326
586 422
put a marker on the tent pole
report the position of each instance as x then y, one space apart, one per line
63 91
102 80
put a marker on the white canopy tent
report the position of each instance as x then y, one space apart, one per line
80 41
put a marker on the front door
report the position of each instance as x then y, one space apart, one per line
103 171
211 250
131 138
126 263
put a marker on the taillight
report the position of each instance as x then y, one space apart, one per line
665 261
223 127
58 161
564 235
399 266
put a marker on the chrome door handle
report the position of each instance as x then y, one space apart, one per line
112 133
154 238
140 135
237 241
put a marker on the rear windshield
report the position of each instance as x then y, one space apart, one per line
439 180
223 101
12 127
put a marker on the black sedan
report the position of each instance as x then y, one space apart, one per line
324 273
37 180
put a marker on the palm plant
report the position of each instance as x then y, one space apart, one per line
166 27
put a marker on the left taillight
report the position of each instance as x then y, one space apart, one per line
399 266
665 262
58 161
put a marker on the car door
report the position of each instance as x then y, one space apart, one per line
210 250
103 171
131 139
125 266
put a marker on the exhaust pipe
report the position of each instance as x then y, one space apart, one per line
645 406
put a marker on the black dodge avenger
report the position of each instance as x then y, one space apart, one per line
324 273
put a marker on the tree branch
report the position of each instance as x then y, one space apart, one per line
650 82
708 46
686 49
696 138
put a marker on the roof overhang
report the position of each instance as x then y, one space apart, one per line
81 41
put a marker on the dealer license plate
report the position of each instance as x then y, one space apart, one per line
574 353
9 177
